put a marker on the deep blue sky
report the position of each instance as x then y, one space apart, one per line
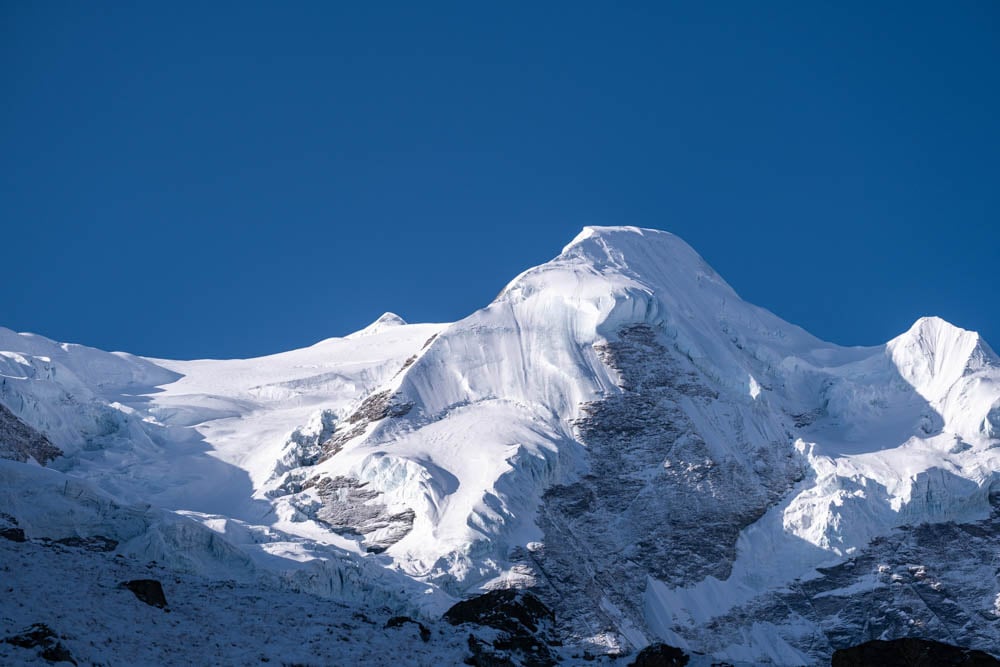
239 178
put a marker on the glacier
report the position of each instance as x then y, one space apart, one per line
618 431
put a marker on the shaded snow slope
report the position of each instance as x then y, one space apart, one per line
617 429
77 592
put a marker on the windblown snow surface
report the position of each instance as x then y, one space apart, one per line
656 458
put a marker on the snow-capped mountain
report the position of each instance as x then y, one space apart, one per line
656 459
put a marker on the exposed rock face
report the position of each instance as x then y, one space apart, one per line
932 580
306 444
911 652
606 533
375 407
19 442
349 507
346 505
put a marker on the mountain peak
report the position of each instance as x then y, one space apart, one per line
618 409
386 320
934 353
933 323
936 335
648 254
621 239
595 231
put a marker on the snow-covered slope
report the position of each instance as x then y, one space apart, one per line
617 430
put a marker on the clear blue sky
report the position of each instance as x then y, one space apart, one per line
228 179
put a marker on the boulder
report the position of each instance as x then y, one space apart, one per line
149 591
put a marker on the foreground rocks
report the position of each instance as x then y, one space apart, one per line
911 652
79 594
400 621
43 638
510 627
660 655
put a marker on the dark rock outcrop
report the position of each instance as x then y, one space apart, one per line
524 623
19 442
911 652
90 543
400 621
660 655
9 529
12 534
42 637
149 591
